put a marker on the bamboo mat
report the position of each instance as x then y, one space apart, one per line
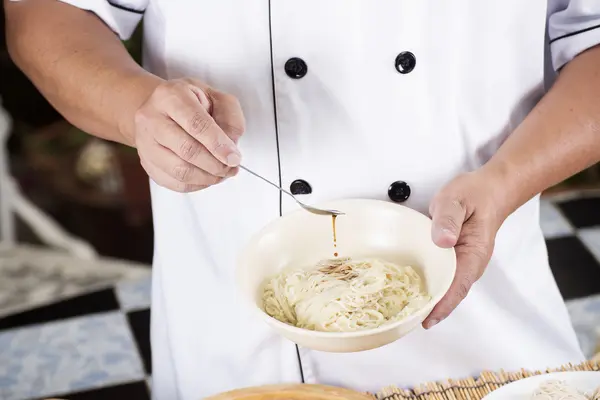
473 388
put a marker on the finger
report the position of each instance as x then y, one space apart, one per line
189 149
448 215
227 113
166 181
187 110
179 169
466 273
472 257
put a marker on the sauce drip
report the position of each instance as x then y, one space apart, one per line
333 217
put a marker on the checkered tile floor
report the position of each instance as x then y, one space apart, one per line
93 346
96 346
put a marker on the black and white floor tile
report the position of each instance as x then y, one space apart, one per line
31 276
87 347
96 345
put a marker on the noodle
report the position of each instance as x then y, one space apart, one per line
557 390
344 295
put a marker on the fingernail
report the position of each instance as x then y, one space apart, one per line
233 159
431 323
444 237
445 233
448 232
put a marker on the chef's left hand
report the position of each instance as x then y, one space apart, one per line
466 215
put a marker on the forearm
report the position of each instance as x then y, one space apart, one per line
79 65
559 138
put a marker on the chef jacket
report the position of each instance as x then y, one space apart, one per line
386 99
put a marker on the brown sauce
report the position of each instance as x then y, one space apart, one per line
333 217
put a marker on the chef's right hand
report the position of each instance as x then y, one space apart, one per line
186 135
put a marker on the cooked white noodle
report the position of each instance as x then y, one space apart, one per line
558 390
344 295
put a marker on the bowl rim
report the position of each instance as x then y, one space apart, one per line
341 335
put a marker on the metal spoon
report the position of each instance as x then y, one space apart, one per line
308 208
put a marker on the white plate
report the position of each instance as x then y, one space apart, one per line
586 381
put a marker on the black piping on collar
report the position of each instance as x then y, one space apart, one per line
591 28
124 8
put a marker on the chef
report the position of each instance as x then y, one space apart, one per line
436 105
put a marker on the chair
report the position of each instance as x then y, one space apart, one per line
70 264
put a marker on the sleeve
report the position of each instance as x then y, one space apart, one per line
573 27
122 16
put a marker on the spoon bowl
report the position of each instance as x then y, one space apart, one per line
311 209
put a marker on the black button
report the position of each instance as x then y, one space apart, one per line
296 68
300 186
405 62
399 191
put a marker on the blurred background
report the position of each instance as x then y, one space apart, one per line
75 261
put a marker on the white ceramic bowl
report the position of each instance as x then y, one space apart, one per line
370 228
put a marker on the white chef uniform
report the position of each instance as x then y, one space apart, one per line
385 99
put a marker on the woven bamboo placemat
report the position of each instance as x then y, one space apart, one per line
473 388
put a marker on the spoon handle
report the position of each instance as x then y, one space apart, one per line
268 181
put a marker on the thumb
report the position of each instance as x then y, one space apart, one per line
227 113
224 108
202 92
448 216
